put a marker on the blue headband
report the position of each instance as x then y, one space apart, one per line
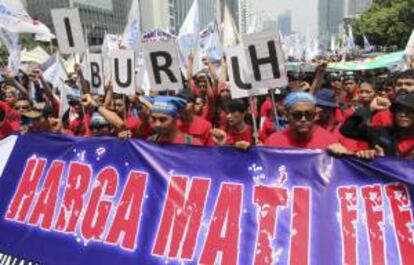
168 105
299 97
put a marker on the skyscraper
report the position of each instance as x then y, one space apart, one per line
331 15
172 13
97 16
284 22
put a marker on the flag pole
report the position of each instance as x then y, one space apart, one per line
252 110
276 116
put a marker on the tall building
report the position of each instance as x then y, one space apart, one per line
331 15
355 7
172 13
334 13
245 15
97 16
284 22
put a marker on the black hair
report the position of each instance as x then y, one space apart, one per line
2 114
237 105
187 95
409 74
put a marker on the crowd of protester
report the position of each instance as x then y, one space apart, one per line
367 113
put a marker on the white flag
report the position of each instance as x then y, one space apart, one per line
230 35
367 45
56 72
188 37
350 43
131 33
15 18
11 40
409 52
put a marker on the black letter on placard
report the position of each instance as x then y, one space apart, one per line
236 74
127 83
165 68
96 80
69 31
272 59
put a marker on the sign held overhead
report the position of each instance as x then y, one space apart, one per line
69 31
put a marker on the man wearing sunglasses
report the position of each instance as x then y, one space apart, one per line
302 132
22 106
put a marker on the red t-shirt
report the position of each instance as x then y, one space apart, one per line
382 118
350 144
11 121
5 129
179 139
266 108
199 128
405 146
132 123
267 129
320 139
234 137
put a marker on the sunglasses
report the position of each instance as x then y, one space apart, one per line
298 115
98 127
24 107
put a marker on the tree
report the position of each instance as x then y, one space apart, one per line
387 22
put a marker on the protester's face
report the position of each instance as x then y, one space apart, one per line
404 117
350 86
225 95
162 123
405 84
202 82
76 105
22 106
324 115
119 107
198 106
336 83
189 109
10 98
235 118
144 112
100 130
55 124
39 125
366 94
280 107
301 118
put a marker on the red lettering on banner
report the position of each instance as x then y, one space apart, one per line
77 185
181 217
46 203
348 203
400 202
268 199
97 213
127 217
300 229
22 200
224 230
374 211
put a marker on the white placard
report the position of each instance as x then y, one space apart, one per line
240 74
265 59
163 65
96 78
123 72
68 30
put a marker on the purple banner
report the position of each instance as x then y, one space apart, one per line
107 201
